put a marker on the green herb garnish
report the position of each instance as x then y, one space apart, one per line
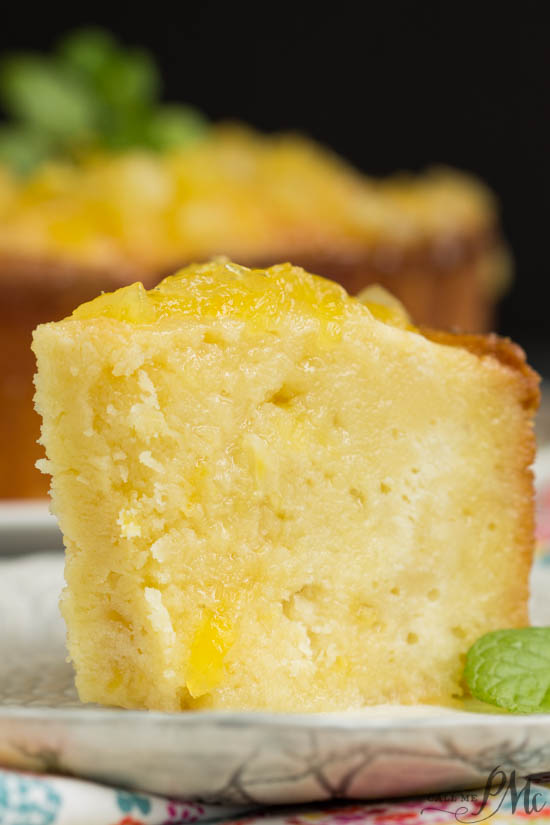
511 669
89 94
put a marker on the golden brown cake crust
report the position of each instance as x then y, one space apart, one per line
505 351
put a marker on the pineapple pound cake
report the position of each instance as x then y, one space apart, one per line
276 496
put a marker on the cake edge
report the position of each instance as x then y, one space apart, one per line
511 357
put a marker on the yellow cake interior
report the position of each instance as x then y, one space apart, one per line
275 497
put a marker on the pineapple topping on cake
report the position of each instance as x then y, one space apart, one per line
276 496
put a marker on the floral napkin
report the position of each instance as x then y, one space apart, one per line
27 799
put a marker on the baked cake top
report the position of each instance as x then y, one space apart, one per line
225 290
267 299
234 192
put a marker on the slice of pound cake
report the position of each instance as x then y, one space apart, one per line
275 496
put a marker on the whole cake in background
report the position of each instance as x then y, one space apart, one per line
275 496
100 186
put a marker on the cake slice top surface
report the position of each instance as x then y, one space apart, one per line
267 299
221 289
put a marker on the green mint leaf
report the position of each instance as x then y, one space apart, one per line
121 77
48 98
473 705
90 93
128 80
22 149
124 129
172 126
511 669
87 51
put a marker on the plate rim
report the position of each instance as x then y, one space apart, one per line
356 719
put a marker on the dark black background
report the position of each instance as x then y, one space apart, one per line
388 85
